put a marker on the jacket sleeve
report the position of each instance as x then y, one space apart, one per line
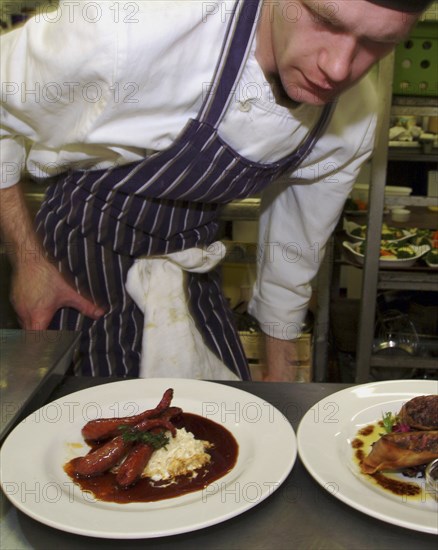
55 80
300 212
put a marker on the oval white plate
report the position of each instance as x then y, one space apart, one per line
33 455
324 445
353 248
351 226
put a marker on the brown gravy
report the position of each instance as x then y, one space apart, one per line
397 487
223 453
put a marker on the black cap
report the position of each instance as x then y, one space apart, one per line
409 6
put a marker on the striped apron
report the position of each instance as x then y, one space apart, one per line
94 223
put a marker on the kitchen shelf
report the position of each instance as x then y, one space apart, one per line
425 279
419 277
399 361
241 210
418 153
374 277
404 105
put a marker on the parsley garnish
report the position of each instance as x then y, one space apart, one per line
132 435
388 421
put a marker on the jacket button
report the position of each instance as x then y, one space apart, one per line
245 106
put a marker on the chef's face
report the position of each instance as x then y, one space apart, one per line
318 48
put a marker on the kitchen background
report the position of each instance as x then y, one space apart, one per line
407 314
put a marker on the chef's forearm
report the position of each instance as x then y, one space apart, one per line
281 360
16 226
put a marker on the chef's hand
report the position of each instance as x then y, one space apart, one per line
39 290
281 360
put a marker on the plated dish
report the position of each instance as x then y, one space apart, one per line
389 234
162 452
333 424
391 254
54 435
356 206
426 236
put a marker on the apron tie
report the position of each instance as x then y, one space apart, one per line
172 346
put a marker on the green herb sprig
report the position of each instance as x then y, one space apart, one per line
389 420
155 440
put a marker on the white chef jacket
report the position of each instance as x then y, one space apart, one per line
93 84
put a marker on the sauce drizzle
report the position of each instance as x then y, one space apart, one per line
365 437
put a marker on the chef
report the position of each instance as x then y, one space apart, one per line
146 118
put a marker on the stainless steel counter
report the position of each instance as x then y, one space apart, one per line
299 515
32 364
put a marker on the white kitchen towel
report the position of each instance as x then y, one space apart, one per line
172 346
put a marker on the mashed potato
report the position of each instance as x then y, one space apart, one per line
182 455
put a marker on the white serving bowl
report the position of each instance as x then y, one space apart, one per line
353 249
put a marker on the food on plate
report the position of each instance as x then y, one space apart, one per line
388 233
157 454
183 454
420 413
103 428
411 437
401 252
426 236
149 433
392 233
392 251
396 451
355 205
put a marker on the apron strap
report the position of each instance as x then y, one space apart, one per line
235 50
234 53
317 131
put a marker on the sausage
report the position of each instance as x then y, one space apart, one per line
104 428
101 459
134 464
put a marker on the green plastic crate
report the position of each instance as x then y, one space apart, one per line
416 62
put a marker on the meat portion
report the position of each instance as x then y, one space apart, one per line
421 413
104 428
102 459
131 470
134 464
132 442
401 450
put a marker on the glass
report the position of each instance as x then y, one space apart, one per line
432 478
396 336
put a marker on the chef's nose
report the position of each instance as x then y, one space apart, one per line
335 61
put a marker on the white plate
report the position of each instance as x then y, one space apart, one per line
324 445
350 226
353 248
33 455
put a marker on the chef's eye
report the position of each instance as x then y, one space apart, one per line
327 18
